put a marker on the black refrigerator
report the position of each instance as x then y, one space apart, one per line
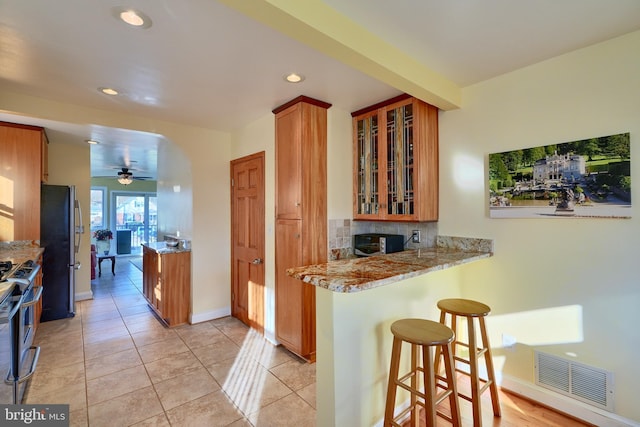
60 232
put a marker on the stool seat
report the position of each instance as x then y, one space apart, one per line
464 307
422 335
422 332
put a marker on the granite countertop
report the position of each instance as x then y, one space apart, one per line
20 251
360 274
162 248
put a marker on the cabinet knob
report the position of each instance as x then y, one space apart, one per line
297 204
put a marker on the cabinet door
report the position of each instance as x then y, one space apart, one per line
150 274
399 153
20 148
174 302
289 169
367 197
289 291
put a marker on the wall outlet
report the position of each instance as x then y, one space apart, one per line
415 236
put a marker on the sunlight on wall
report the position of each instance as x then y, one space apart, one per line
6 208
545 326
269 311
468 172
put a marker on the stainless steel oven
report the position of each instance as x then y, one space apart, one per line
18 356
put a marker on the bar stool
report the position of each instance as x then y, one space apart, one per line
423 334
471 310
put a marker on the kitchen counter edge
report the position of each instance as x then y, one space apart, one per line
162 248
20 251
360 274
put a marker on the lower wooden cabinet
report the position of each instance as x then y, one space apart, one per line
295 300
166 284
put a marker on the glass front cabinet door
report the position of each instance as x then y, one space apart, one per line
396 161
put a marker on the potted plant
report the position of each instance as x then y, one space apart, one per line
103 238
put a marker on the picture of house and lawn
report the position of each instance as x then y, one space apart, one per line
586 178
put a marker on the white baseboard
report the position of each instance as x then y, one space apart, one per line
210 315
565 404
81 296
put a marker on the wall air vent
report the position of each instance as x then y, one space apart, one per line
585 383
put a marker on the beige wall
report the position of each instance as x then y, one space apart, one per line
62 155
563 286
204 183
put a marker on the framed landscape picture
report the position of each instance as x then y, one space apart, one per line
589 178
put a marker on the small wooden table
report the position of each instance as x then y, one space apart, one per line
113 263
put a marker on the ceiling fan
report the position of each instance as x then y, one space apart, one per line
125 176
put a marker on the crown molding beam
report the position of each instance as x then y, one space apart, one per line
317 25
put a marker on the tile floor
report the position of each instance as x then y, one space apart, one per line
116 365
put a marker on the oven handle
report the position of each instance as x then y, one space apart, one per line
36 297
32 369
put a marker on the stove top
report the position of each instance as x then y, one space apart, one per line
22 273
6 269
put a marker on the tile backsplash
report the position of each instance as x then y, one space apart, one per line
341 233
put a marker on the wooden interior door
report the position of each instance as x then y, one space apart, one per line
247 242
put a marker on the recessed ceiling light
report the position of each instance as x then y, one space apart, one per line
133 17
294 78
92 142
108 91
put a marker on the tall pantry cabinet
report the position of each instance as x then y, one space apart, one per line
301 217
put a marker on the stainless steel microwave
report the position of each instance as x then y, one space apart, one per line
377 244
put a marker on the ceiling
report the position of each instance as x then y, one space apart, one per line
204 64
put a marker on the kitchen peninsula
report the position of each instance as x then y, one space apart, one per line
356 302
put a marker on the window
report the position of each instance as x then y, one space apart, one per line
98 207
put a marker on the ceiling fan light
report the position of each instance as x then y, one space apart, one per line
125 180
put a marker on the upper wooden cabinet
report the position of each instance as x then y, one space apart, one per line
396 161
301 158
22 168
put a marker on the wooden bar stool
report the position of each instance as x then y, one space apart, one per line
471 310
423 334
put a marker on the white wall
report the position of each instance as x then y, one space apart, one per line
585 269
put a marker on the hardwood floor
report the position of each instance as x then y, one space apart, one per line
517 411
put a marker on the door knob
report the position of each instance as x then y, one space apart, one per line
257 261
